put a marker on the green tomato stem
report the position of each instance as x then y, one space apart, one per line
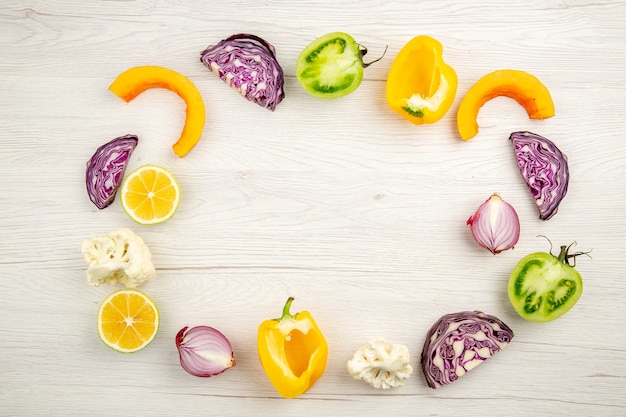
364 51
563 255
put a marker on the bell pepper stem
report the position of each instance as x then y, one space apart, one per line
286 314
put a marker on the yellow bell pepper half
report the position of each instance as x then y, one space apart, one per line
421 87
292 351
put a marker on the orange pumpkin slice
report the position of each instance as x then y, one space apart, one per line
525 88
136 80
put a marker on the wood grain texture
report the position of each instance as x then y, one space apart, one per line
342 204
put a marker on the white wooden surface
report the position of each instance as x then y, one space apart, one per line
342 204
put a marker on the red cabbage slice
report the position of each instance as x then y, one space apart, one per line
459 342
544 168
105 169
248 64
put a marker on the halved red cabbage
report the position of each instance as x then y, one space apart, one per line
544 168
105 169
248 64
459 342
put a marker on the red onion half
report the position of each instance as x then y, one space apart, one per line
495 225
204 351
544 168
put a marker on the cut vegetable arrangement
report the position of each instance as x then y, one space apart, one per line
495 225
247 63
128 320
119 257
204 351
106 168
420 86
292 351
331 66
136 80
525 88
459 342
150 195
543 287
544 169
381 364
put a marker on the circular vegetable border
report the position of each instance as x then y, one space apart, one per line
421 88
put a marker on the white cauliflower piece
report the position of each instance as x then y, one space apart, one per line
381 364
121 256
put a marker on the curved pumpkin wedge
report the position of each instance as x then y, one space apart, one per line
136 80
525 88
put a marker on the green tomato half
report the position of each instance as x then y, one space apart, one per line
543 287
331 66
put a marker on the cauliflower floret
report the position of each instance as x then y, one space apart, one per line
121 256
382 365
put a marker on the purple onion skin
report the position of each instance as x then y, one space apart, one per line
203 338
248 64
106 167
544 168
495 226
462 326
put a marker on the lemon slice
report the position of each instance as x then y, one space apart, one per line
128 320
150 194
